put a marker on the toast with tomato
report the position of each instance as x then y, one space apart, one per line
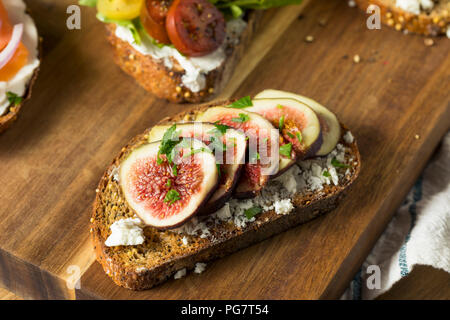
217 178
19 59
181 50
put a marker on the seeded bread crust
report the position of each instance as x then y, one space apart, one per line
8 118
166 83
431 23
163 253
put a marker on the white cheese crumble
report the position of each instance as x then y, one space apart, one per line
180 274
283 206
185 241
195 68
126 232
348 137
200 267
414 6
19 83
351 3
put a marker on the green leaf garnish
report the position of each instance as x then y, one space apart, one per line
242 118
222 128
290 135
172 196
326 174
338 164
13 98
281 123
286 150
170 139
250 213
236 11
299 136
88 3
169 183
279 106
242 103
175 170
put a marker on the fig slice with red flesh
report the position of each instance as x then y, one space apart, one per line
164 197
330 126
262 155
298 124
229 147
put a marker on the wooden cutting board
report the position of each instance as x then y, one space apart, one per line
84 109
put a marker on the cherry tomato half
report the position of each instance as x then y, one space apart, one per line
195 27
153 18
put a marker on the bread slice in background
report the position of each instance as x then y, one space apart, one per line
163 252
166 83
431 22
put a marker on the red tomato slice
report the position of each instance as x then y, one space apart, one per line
195 27
153 18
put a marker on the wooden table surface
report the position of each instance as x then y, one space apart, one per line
84 109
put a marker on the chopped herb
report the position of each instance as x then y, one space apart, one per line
222 128
299 136
236 11
198 151
281 123
170 139
242 118
279 106
326 174
13 98
174 170
172 196
89 3
338 164
169 183
286 150
250 213
290 135
242 103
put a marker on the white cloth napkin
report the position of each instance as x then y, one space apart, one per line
419 232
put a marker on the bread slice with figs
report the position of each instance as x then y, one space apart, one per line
181 50
427 17
19 59
217 178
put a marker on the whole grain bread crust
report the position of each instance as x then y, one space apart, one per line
172 255
166 83
432 24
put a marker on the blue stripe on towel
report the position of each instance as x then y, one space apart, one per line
417 195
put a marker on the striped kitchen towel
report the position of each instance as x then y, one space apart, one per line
419 232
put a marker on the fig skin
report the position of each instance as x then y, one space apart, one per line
150 150
224 191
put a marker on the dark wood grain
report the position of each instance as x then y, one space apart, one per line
84 109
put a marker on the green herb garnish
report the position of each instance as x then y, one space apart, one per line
286 149
326 174
290 135
13 98
242 118
279 106
250 213
222 128
242 103
175 170
170 139
172 196
299 136
338 164
281 123
169 183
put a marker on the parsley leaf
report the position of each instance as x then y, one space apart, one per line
170 139
174 170
281 123
222 128
286 150
242 118
242 103
338 164
13 98
250 213
299 136
326 174
88 3
290 135
172 196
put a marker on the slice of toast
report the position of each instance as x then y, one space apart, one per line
165 252
166 83
11 115
431 22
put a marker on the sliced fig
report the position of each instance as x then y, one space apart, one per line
300 125
164 197
230 159
331 128
262 155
